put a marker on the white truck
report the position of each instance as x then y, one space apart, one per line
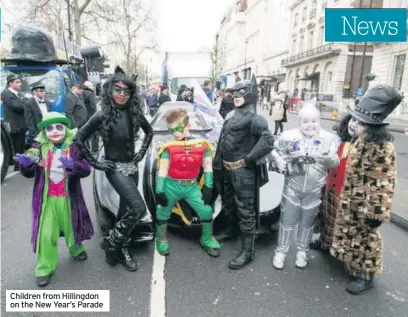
184 68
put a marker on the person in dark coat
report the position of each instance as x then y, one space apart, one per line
180 93
90 104
14 114
227 103
164 96
34 110
75 108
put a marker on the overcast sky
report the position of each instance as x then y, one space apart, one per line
189 24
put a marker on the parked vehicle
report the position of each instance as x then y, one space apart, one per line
57 80
185 68
203 125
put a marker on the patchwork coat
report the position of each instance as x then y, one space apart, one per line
367 193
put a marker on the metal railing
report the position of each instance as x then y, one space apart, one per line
314 51
72 48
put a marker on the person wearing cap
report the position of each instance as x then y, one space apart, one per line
227 103
75 108
367 186
90 104
58 205
34 110
14 113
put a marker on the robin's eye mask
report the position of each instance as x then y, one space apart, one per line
179 128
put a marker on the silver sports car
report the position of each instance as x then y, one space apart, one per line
205 123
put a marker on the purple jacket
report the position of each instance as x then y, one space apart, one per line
81 221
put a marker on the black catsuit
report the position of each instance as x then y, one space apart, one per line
120 148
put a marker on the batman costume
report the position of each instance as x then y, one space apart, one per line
244 142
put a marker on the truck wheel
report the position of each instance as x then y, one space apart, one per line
4 156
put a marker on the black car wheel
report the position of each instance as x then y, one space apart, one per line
5 152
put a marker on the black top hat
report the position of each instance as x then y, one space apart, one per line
12 77
376 105
38 85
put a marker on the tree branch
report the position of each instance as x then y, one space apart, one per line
83 7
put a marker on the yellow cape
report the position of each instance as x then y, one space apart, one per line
177 209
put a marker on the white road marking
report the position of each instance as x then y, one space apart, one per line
158 286
11 175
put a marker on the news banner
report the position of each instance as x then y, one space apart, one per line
58 301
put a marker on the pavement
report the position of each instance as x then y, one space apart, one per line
399 214
189 283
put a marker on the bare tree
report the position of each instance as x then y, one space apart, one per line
77 10
131 29
52 15
48 14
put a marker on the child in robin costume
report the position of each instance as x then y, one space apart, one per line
58 206
179 166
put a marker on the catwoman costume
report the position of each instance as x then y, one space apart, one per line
119 122
244 142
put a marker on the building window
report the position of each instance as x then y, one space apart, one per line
294 47
301 44
321 36
304 14
310 42
296 19
398 71
313 11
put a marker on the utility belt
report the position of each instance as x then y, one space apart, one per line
185 182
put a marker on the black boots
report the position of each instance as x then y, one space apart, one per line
358 286
247 253
81 257
114 255
43 280
111 254
231 229
127 259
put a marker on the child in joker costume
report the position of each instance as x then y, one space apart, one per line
179 166
58 206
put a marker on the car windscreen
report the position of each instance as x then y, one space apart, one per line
177 82
196 120
50 78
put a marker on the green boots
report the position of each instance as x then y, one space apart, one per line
207 241
162 244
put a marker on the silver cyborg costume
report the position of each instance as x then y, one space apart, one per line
306 154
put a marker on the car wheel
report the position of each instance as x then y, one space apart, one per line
4 155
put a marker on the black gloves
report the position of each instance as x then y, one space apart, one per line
161 199
105 165
138 157
207 195
373 223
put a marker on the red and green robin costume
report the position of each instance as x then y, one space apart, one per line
180 163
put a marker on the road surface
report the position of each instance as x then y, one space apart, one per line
189 283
